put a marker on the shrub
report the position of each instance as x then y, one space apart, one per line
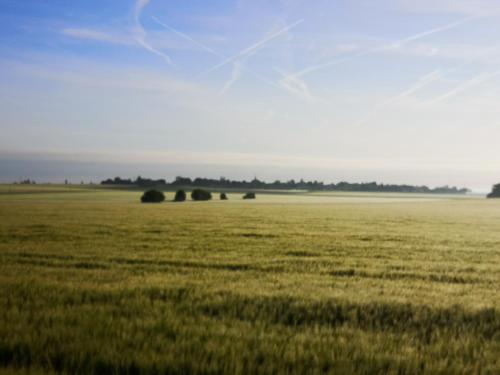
495 193
223 196
152 196
180 196
249 196
201 195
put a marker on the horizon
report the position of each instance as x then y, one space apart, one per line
393 92
56 168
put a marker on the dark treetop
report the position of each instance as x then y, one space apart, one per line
495 193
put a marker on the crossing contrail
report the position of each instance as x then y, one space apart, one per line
254 47
237 65
385 47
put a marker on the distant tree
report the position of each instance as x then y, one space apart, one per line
147 182
182 181
223 196
180 196
249 196
201 195
152 196
495 192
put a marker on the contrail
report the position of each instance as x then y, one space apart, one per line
420 84
433 31
139 6
466 85
187 37
239 66
297 87
235 75
140 33
394 45
149 48
431 78
254 46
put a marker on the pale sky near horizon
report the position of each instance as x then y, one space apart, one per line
397 91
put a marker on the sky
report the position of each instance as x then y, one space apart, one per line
394 91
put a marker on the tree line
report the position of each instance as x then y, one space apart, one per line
224 183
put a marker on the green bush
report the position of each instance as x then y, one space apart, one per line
180 196
495 193
152 196
201 195
249 196
223 196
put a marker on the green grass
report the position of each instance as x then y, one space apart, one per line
95 282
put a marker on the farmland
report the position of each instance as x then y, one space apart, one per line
93 281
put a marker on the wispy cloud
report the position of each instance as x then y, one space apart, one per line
96 35
87 73
140 33
139 7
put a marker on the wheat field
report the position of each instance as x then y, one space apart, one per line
93 281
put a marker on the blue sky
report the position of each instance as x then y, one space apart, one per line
393 90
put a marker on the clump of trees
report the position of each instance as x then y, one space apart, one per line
152 196
223 196
27 182
180 196
249 196
495 192
201 195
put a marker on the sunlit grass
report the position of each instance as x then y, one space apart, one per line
94 281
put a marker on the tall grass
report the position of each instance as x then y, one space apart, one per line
95 282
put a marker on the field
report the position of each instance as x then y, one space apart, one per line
92 281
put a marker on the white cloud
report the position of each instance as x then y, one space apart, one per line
87 73
96 35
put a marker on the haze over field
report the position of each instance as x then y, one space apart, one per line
396 91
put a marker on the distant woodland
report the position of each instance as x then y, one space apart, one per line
223 183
